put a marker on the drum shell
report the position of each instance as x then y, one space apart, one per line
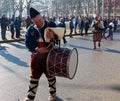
58 61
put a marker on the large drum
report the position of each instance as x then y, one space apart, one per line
62 62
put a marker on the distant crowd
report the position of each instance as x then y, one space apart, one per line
83 24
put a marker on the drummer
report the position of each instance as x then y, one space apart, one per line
35 42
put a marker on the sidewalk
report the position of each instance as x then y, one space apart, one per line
8 36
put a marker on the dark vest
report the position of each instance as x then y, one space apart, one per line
32 35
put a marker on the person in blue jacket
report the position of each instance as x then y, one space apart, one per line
3 23
17 24
12 29
35 42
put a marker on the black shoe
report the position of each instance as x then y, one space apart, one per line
12 37
65 42
99 45
4 39
75 32
94 47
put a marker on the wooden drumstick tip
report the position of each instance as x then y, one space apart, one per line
50 45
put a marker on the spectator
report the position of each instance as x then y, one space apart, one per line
75 24
3 22
71 27
28 21
51 23
115 24
17 27
81 26
118 22
12 29
105 24
111 29
87 24
62 24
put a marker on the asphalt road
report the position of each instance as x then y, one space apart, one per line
97 77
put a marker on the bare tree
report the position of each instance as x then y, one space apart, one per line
28 3
60 7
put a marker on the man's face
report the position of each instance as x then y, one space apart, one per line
38 21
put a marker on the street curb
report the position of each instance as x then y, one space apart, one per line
15 40
77 34
22 39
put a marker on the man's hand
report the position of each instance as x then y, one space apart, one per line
42 50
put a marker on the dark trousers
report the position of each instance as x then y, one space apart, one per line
64 40
75 28
3 33
86 31
17 32
81 31
12 33
110 34
71 31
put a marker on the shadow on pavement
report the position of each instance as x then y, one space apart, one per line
106 50
12 58
75 46
69 99
85 38
18 46
112 51
58 99
115 87
13 40
21 42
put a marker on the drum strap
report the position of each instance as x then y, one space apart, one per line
32 88
52 85
59 43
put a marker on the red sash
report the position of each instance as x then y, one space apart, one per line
41 44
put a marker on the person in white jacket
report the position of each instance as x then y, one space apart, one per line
111 28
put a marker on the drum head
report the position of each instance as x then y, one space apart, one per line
72 63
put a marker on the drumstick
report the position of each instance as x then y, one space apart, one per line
50 45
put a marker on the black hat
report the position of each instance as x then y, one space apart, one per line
33 12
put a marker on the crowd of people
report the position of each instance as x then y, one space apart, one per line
82 24
98 26
13 24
